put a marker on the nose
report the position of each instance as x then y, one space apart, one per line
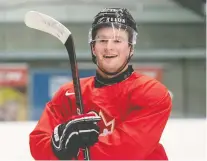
109 45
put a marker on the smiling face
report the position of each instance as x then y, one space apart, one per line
111 49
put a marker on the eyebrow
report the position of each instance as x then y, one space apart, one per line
103 36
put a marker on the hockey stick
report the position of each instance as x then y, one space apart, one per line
45 23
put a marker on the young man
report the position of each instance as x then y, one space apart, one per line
125 112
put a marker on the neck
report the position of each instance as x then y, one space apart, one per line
101 81
106 76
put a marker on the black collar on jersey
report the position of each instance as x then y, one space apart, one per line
100 81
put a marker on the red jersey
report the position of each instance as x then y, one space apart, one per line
134 113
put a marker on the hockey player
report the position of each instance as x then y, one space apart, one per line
125 112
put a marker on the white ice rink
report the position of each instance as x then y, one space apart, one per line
183 139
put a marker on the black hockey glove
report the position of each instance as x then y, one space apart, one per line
80 132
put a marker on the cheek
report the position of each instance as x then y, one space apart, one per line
94 50
124 51
97 50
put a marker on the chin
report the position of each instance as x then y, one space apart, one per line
110 70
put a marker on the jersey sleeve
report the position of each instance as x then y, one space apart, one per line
139 134
54 113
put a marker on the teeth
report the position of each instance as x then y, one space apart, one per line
109 56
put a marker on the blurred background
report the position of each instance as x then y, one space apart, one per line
33 64
171 47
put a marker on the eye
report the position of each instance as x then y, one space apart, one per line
102 41
117 41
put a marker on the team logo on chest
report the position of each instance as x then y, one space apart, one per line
106 125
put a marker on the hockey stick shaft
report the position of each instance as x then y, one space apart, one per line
69 44
45 23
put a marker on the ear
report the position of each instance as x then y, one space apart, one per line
131 51
93 49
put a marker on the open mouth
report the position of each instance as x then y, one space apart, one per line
110 56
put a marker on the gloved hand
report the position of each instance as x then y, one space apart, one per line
79 132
